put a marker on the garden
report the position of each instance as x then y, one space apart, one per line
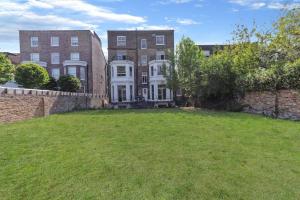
150 154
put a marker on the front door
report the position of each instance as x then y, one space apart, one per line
121 93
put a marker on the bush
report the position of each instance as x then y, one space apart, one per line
68 83
260 80
291 76
274 78
6 69
217 79
31 75
51 84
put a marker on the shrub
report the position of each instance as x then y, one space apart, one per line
261 79
68 83
6 69
31 75
51 84
291 76
217 78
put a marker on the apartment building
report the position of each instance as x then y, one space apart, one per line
136 60
73 52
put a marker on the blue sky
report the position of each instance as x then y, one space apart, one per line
205 21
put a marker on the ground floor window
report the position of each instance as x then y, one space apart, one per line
162 92
72 71
82 73
122 93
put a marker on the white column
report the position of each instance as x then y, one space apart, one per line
112 93
127 92
155 91
116 93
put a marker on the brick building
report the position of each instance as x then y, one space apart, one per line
136 60
74 52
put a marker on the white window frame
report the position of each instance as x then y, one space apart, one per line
144 77
73 57
55 58
82 73
121 41
74 41
72 74
159 70
35 57
34 41
123 74
55 75
54 41
157 40
144 44
144 60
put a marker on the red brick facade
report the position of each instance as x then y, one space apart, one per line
89 49
134 51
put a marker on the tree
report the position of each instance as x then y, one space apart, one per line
188 59
171 74
6 69
51 84
31 75
285 42
68 83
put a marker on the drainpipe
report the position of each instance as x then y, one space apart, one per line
137 59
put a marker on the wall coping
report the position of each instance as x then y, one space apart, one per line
37 92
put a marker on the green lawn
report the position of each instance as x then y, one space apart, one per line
150 154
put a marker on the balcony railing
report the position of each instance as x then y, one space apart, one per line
121 58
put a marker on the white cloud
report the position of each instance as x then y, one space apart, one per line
165 2
186 21
270 4
151 27
88 9
182 21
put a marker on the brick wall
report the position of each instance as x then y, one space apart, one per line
21 104
283 104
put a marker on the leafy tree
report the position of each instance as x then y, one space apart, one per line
68 83
31 75
285 42
6 69
51 84
188 60
171 74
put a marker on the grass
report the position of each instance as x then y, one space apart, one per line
150 154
